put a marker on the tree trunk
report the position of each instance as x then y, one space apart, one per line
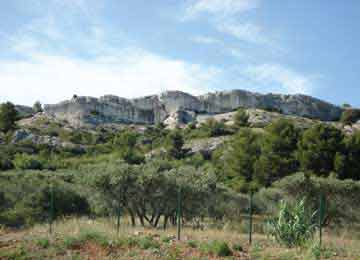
166 218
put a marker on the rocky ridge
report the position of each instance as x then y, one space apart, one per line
175 107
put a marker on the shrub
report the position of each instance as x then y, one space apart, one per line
43 243
214 128
192 243
219 248
148 242
175 142
26 162
293 227
350 116
318 147
241 118
83 237
8 117
5 163
237 247
37 107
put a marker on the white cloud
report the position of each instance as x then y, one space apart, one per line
132 73
206 40
219 7
245 32
236 53
284 79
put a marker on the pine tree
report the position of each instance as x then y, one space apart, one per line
318 148
278 148
240 160
8 117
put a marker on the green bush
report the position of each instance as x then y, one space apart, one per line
350 116
84 236
148 242
214 128
218 248
342 197
241 118
293 226
5 163
192 243
27 162
25 198
8 117
43 243
237 247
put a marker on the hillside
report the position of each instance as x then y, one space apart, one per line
204 168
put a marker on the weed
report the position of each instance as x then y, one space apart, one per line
192 243
293 227
255 250
166 239
219 248
148 242
84 237
237 247
43 243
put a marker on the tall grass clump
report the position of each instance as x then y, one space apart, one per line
293 226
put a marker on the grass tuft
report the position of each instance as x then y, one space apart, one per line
219 248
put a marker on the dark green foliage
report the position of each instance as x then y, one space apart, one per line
214 128
27 199
149 191
350 116
342 197
5 162
175 145
240 160
37 107
27 162
318 148
125 143
237 247
349 165
241 118
43 243
278 149
8 117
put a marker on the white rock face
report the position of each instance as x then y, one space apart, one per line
88 111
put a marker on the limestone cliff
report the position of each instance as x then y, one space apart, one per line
88 111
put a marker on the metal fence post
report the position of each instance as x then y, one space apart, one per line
250 216
179 214
51 208
118 215
321 216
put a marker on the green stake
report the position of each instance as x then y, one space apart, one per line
118 216
179 214
250 217
321 215
51 208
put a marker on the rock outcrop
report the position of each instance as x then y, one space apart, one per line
177 107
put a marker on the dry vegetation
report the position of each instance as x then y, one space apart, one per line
98 239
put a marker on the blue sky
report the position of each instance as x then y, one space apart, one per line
52 49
